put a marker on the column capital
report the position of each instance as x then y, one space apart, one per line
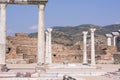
46 32
119 30
41 6
108 35
3 6
49 29
92 30
115 33
85 32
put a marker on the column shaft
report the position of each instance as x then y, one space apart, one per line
41 40
85 47
92 47
109 41
2 33
114 40
47 48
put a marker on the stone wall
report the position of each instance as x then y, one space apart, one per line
68 54
20 46
23 49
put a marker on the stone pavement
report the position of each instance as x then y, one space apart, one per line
101 72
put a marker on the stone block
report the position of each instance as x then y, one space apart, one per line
21 35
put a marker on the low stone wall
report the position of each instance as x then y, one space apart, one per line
105 61
29 79
55 76
16 61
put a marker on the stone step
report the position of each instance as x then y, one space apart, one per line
7 74
31 79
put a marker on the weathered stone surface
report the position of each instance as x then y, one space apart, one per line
4 68
21 35
21 46
116 58
23 49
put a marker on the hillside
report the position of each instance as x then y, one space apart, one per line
69 35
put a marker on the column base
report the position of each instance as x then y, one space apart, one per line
41 68
85 63
93 64
3 68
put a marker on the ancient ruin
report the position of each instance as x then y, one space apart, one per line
25 58
23 49
41 6
113 40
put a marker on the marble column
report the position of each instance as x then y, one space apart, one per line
2 33
41 39
115 35
47 42
114 40
92 46
85 47
49 46
109 40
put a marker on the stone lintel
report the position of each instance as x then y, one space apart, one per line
115 33
32 2
108 35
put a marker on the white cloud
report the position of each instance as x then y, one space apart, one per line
34 27
117 22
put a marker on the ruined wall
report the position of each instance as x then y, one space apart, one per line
23 49
66 54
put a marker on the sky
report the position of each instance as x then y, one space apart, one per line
24 18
